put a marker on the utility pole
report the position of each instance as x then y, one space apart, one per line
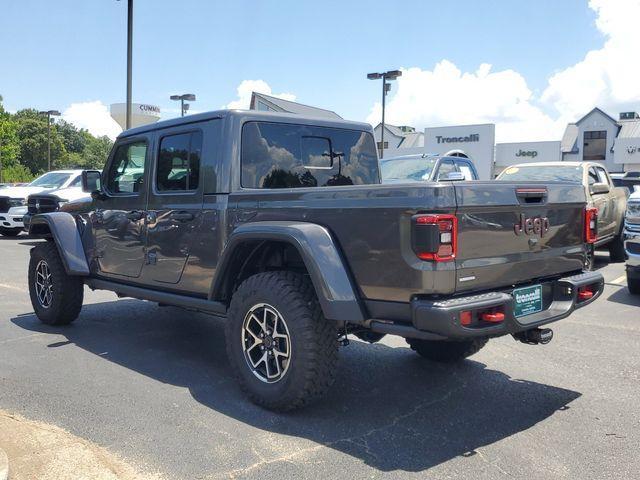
129 61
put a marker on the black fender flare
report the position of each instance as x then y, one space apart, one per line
321 257
61 226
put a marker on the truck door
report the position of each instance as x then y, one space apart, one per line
175 203
610 209
118 219
601 202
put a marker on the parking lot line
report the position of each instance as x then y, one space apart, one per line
11 287
621 280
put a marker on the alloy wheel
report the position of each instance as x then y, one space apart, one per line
44 284
266 343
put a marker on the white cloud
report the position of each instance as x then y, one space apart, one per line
447 96
245 89
94 116
606 77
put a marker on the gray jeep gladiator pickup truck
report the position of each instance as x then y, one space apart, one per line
279 225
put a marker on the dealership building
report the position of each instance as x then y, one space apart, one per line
595 137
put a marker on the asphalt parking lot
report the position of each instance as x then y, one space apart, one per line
152 384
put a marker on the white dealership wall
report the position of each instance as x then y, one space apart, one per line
476 141
525 152
627 152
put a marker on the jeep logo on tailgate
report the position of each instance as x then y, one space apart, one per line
532 226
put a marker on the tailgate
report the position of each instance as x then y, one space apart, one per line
512 233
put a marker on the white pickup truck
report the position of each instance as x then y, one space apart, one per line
56 188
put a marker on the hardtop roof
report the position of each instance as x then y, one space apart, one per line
244 115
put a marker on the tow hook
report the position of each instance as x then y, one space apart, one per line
535 336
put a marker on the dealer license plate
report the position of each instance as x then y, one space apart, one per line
528 300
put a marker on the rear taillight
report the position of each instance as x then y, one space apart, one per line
434 237
590 225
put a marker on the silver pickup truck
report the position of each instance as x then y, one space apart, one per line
632 243
609 200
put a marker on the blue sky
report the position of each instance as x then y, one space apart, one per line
57 53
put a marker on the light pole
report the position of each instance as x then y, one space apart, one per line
127 121
389 75
190 97
49 114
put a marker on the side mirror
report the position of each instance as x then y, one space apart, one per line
598 188
453 177
91 181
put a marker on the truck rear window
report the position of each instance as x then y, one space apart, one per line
277 155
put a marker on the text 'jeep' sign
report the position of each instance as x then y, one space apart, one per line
527 153
532 226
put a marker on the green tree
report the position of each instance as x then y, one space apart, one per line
16 174
74 139
9 145
32 136
97 151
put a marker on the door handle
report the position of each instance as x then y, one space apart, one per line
181 216
135 215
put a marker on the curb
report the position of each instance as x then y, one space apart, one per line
4 465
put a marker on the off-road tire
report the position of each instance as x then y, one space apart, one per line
446 351
616 250
313 340
10 232
633 284
67 291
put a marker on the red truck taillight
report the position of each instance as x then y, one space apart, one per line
590 225
434 237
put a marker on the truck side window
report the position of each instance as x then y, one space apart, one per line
446 167
593 176
126 171
602 176
76 182
278 155
178 167
466 169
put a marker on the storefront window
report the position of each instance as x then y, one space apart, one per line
595 145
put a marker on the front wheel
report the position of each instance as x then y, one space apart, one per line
446 351
281 348
55 296
10 232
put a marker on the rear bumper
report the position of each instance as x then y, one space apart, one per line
440 319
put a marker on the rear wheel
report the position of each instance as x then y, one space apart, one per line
281 348
55 296
633 284
590 258
446 351
10 232
616 250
